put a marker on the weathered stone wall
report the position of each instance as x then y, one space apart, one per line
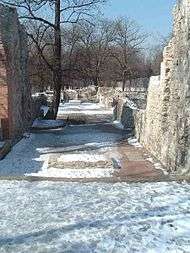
164 127
124 103
138 95
15 97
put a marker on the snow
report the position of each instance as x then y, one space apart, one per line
47 124
77 166
75 102
76 107
131 104
74 173
81 158
31 154
91 145
118 124
45 109
86 217
157 165
134 142
95 217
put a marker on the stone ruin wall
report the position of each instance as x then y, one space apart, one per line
15 97
164 127
124 103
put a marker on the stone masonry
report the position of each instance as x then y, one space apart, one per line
164 127
15 97
124 103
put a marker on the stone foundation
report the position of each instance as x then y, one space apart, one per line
15 98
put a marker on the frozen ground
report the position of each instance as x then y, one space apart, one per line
80 218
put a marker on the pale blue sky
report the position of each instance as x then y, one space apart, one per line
155 16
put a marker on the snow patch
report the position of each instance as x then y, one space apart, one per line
73 173
118 124
45 109
134 142
47 124
157 165
94 145
81 158
76 107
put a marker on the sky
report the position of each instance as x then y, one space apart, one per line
155 16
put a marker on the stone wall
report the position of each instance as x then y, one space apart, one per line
138 96
15 97
164 127
124 104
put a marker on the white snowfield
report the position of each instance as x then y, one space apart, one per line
94 218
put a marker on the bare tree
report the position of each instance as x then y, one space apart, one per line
128 43
93 49
52 14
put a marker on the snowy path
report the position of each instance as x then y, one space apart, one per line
82 218
32 155
54 217
90 151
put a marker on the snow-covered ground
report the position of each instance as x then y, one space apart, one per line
84 218
31 155
76 107
77 151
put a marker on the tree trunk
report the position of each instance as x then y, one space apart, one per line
124 81
57 73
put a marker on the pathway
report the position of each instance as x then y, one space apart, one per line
91 217
88 152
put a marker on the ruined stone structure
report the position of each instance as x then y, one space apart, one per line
124 103
15 98
164 127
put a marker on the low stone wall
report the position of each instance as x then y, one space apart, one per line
106 96
164 127
123 106
86 94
